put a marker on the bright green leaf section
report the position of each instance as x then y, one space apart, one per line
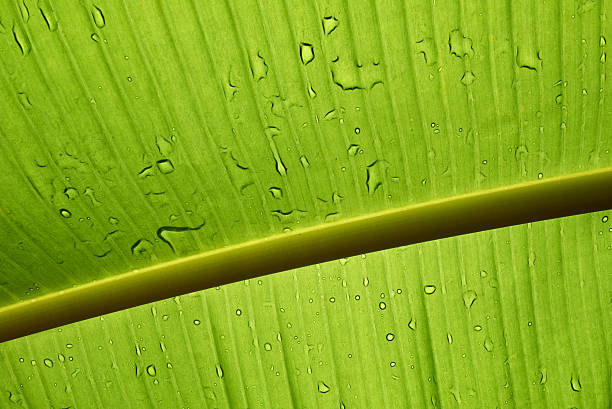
510 318
137 133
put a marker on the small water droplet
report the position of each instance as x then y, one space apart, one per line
196 322
238 312
430 289
477 328
306 53
219 370
322 387
366 281
330 23
151 371
268 346
488 344
68 346
604 219
540 175
95 37
61 357
48 363
392 364
382 305
24 100
65 213
412 324
390 336
98 16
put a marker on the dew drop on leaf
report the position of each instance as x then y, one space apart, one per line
65 213
306 53
430 289
390 336
330 23
98 16
322 387
48 363
151 371
469 297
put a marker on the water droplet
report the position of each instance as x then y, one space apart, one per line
61 357
65 213
22 40
382 305
488 344
322 387
412 324
366 281
142 246
259 68
238 312
306 53
357 131
357 297
276 192
483 274
48 14
449 338
426 47
95 37
68 346
528 57
23 10
151 371
604 219
477 328
130 79
48 363
430 289
392 364
332 299
196 322
98 16
575 384
460 45
390 336
268 346
469 297
374 176
468 78
330 23
219 370
165 166
353 149
540 175
543 376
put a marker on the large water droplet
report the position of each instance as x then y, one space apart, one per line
468 78
427 48
322 387
488 344
259 68
460 45
151 371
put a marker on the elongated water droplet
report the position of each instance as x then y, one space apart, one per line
48 14
65 213
306 53
412 324
276 192
22 40
353 149
488 344
48 363
151 371
98 16
23 10
219 370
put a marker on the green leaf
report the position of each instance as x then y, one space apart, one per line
137 139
